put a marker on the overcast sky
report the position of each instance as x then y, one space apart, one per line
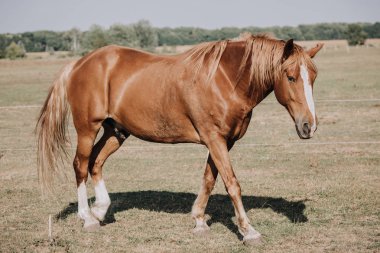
32 15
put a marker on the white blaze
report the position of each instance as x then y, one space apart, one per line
308 94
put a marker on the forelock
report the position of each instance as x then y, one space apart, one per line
298 58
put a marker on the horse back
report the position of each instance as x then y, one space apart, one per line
143 92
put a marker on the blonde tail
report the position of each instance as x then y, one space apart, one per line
51 132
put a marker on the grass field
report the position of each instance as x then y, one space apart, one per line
318 195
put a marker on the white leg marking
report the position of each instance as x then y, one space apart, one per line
83 209
101 193
90 223
102 201
200 226
308 94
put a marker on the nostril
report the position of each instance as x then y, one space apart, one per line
306 128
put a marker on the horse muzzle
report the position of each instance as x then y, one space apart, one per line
304 130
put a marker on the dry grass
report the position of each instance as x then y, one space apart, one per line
48 55
338 44
372 42
301 197
328 44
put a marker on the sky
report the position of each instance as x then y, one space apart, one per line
32 15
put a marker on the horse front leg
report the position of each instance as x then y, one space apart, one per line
208 184
219 153
199 206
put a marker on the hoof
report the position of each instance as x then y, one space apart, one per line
91 227
252 239
201 230
99 212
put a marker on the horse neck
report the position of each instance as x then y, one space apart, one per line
247 89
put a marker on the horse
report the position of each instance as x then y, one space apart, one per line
204 95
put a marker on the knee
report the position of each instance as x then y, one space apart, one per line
96 168
98 163
80 173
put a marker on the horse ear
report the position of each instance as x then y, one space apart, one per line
288 49
313 51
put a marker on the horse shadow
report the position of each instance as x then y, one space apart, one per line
219 206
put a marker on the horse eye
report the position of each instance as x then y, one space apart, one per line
291 79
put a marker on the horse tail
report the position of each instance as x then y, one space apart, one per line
51 129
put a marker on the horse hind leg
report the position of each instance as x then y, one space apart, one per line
113 137
86 139
199 206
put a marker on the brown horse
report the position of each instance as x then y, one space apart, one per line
205 95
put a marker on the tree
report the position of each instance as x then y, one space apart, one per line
146 35
29 41
290 32
95 38
373 30
143 35
123 35
167 36
21 45
14 51
355 35
4 42
228 33
73 36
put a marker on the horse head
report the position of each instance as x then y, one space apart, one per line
294 90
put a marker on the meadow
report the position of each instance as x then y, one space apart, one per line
317 195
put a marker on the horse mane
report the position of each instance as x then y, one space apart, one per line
263 55
195 57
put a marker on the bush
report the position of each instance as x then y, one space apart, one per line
355 35
95 38
14 51
123 35
146 35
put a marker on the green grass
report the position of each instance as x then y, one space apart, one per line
301 197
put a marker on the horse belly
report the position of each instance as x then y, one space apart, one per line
143 124
149 112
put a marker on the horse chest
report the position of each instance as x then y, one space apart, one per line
232 124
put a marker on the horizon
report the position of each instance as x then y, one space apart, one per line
45 15
242 27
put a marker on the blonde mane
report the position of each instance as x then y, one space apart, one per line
196 57
263 56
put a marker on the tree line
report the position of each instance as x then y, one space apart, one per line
143 35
